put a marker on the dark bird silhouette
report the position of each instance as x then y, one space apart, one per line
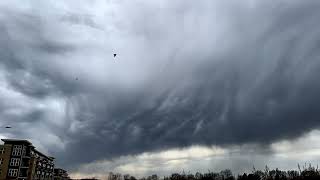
114 55
7 127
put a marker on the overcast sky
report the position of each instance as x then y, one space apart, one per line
196 85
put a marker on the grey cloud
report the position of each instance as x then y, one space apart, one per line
240 159
80 19
236 75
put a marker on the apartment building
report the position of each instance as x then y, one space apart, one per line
44 168
60 174
19 160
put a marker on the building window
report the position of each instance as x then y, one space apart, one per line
1 150
17 149
13 172
24 151
1 161
14 162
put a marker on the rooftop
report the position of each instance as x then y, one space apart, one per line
28 143
57 169
16 141
40 153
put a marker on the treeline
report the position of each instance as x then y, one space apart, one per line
306 172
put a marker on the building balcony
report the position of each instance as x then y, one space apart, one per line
25 162
23 173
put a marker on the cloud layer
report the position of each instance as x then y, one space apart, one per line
285 155
206 73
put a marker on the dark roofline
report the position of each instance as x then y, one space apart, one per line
16 140
29 143
49 157
52 157
60 169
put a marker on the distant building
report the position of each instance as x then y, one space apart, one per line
19 160
60 174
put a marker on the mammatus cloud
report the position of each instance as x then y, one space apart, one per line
211 73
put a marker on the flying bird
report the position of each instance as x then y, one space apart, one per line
7 127
114 55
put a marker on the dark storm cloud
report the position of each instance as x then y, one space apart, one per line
210 74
